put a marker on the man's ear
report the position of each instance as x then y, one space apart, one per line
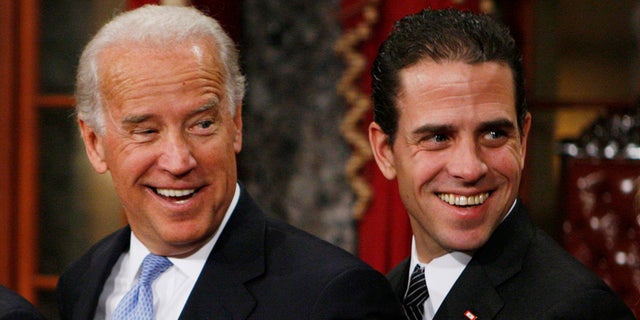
237 134
93 146
526 126
382 150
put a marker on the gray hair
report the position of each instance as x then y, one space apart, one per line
157 25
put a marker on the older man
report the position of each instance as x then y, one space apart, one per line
159 95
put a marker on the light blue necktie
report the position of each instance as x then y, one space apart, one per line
138 302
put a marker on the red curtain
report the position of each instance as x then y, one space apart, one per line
131 4
383 230
227 12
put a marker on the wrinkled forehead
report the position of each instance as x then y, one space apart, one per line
455 90
113 56
141 74
120 63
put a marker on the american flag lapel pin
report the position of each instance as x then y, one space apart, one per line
470 315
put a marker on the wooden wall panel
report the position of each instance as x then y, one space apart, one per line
7 143
27 187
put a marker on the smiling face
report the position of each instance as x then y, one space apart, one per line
170 142
458 154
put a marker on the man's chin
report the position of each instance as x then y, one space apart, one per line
467 244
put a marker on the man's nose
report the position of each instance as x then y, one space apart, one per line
467 162
176 156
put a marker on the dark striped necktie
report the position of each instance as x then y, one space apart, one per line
417 294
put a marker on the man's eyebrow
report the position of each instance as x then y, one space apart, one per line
136 118
430 128
213 104
502 123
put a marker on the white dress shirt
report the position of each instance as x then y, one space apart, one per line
171 289
441 274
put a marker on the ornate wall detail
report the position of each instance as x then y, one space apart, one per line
612 136
600 188
293 153
359 102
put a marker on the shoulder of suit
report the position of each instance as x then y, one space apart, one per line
299 244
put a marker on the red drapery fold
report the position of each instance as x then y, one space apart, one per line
383 231
132 4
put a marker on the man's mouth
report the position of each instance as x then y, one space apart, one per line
177 195
464 201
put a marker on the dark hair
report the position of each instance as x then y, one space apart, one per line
440 35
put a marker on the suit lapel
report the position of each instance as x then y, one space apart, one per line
399 278
103 260
497 261
473 293
237 257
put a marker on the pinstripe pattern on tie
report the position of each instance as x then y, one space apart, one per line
417 294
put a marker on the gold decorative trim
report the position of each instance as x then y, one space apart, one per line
487 6
358 102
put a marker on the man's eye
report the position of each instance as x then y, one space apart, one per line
434 142
143 134
203 127
205 124
439 138
435 138
145 131
495 134
495 138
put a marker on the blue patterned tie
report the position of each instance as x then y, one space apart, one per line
138 302
417 294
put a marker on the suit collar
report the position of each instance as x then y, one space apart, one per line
102 261
237 257
399 278
503 254
493 264
472 293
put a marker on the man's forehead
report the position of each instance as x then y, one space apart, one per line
121 65
204 50
455 82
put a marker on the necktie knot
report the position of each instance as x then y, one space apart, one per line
138 302
417 294
152 267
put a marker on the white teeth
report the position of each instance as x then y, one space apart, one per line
453 199
175 192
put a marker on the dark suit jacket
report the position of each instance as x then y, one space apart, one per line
15 307
521 273
260 268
